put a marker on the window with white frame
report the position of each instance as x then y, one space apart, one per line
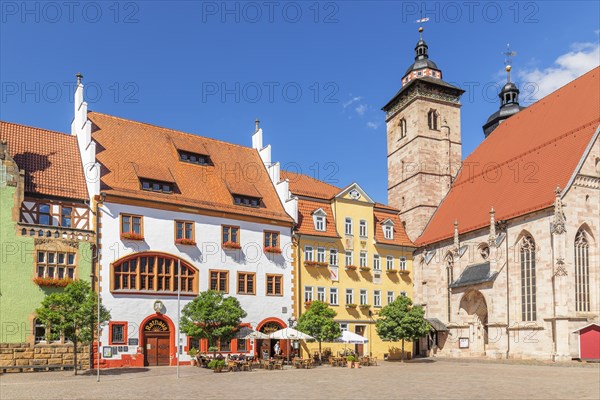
376 262
344 326
348 226
333 296
377 298
390 297
308 293
39 331
321 254
389 263
333 257
308 253
388 231
402 263
349 296
363 259
364 298
404 294
362 228
321 294
349 257
319 222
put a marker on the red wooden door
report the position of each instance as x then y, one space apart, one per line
151 351
589 342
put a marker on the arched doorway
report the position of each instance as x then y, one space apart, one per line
268 326
474 311
156 341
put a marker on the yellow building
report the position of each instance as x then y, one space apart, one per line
353 254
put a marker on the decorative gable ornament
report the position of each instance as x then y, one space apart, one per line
354 194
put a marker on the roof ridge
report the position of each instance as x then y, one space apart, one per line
533 149
65 134
173 130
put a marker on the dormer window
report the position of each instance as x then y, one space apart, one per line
157 186
193 158
388 229
246 201
319 220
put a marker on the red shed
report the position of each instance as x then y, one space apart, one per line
589 342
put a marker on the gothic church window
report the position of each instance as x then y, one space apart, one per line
432 120
582 272
528 279
403 128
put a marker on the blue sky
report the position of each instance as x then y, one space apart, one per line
315 74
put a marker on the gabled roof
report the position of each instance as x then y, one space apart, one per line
304 185
127 149
355 186
50 160
543 144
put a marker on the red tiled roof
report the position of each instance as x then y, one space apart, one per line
304 185
50 159
400 236
306 225
127 148
518 167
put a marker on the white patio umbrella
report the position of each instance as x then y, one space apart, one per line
256 335
352 338
290 333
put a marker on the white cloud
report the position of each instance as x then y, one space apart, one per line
373 125
352 100
360 110
582 58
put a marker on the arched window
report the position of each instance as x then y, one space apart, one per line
528 306
582 272
403 128
432 120
151 272
450 279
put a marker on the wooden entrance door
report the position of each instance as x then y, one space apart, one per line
157 350
359 348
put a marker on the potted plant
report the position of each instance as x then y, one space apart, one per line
216 365
192 353
231 245
351 360
132 236
54 282
272 249
185 242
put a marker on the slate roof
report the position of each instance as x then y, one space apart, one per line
475 274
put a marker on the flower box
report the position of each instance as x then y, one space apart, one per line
404 272
52 282
272 249
186 242
350 305
231 245
315 264
391 271
365 269
365 306
351 267
132 236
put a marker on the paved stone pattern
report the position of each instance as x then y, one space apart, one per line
426 379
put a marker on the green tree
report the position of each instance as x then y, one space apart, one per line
318 322
72 314
212 316
400 320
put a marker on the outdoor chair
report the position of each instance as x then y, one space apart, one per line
278 365
373 361
332 361
231 366
247 366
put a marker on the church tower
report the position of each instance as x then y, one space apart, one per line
423 141
509 105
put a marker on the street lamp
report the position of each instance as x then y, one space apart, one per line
291 324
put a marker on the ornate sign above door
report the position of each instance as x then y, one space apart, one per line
156 325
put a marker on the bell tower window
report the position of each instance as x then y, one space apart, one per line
432 120
403 128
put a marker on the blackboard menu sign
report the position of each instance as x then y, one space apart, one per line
133 341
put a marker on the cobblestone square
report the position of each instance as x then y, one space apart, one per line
424 379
